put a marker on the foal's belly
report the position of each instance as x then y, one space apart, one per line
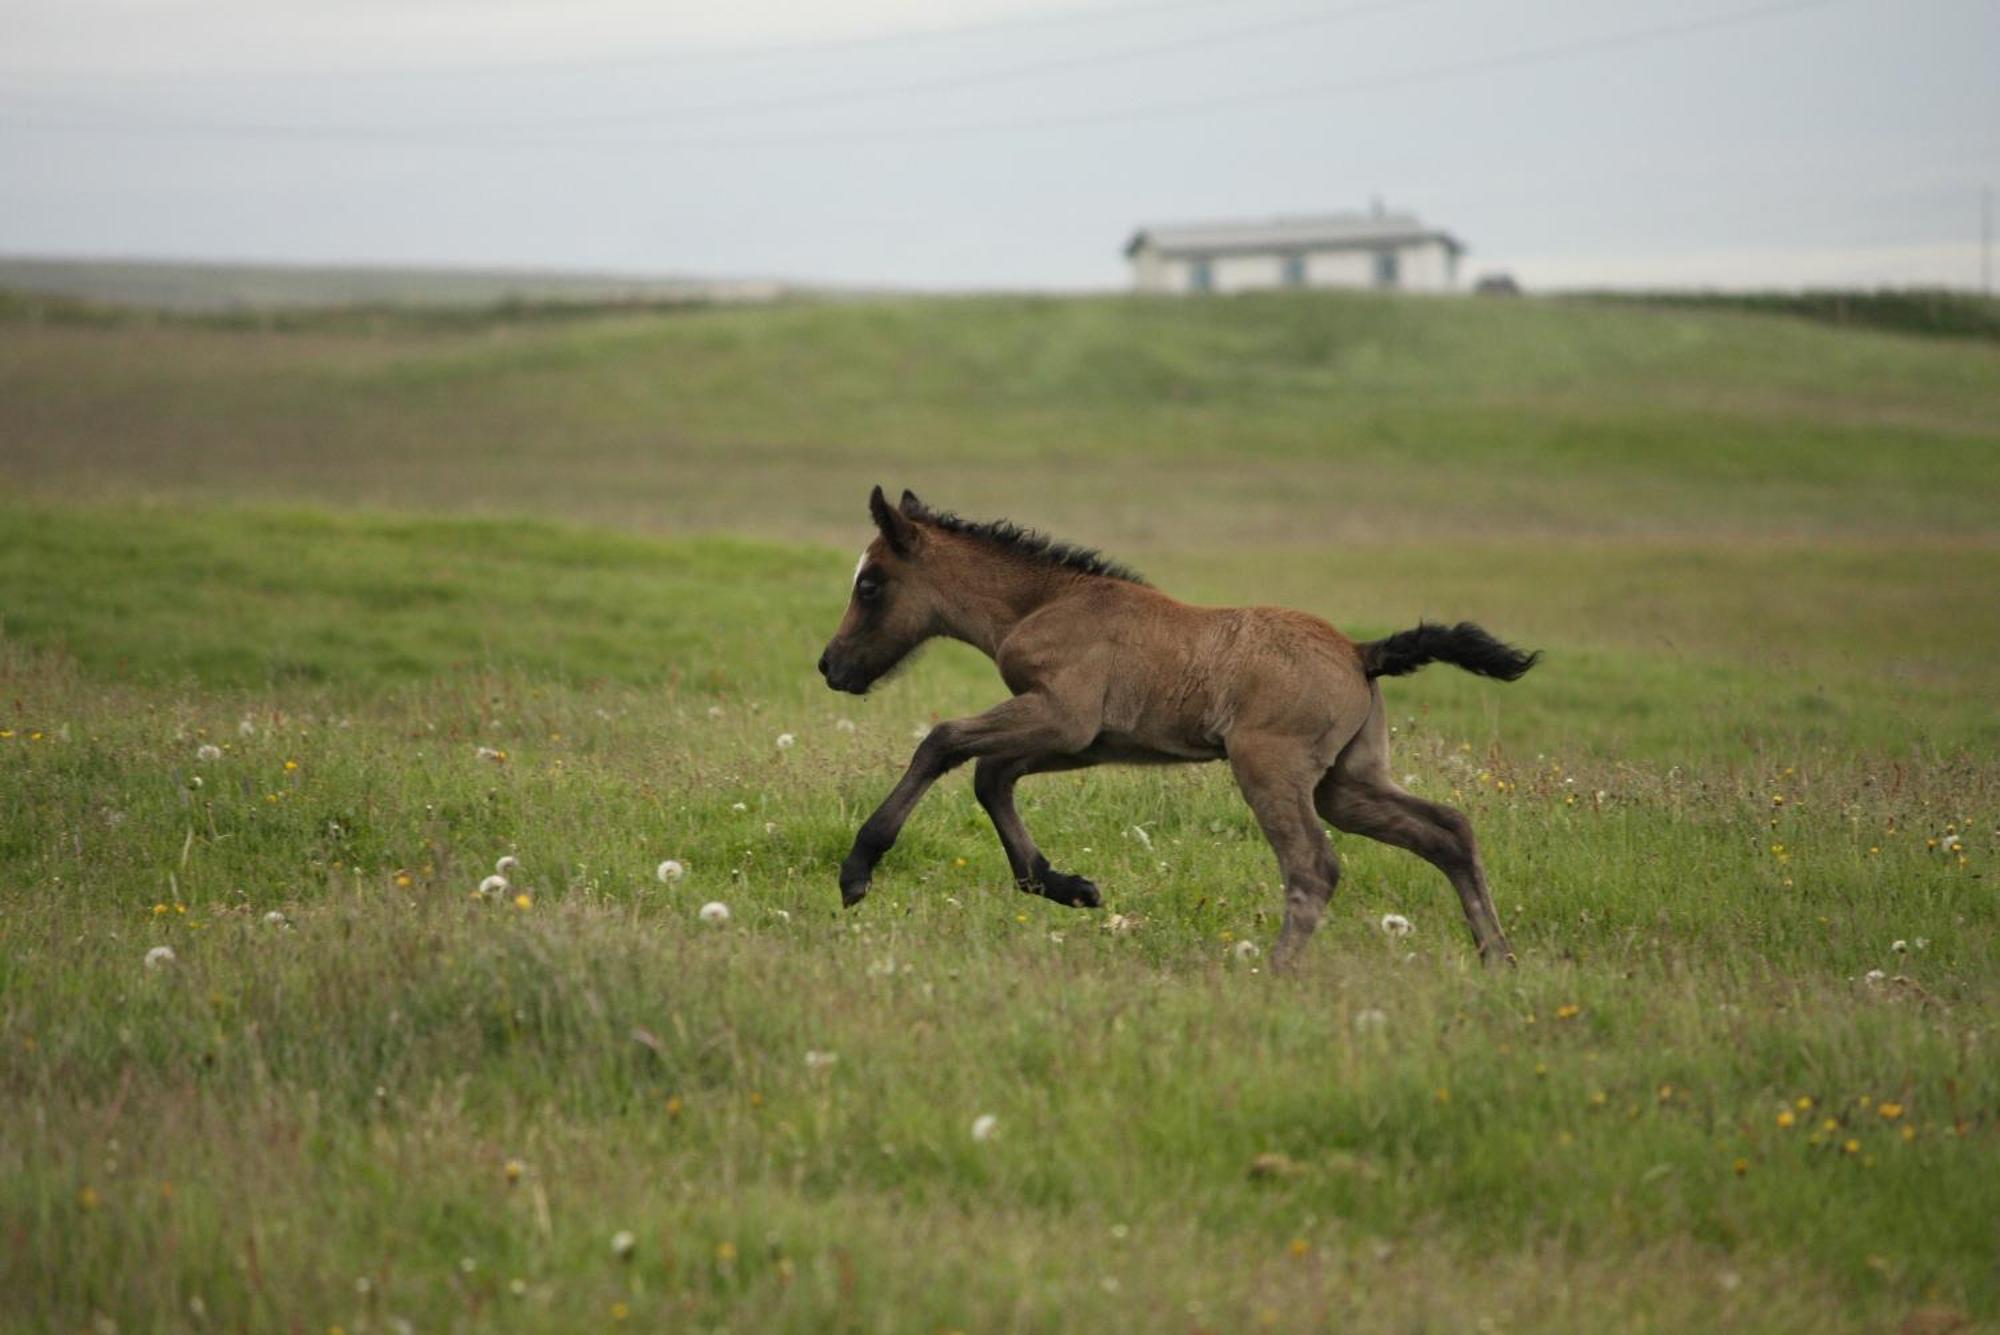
1121 748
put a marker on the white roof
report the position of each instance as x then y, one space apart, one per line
1330 231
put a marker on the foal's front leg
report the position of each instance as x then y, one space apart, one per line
1027 725
993 783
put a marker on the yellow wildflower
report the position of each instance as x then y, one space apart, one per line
1786 1120
1298 1247
1889 1112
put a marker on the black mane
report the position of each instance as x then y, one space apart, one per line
1026 542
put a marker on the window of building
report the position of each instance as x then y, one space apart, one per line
1388 270
1201 278
1295 271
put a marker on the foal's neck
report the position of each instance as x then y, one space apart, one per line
994 592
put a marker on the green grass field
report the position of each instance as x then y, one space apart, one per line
302 630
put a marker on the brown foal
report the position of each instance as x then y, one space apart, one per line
1104 668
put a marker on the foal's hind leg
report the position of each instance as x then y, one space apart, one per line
1358 795
993 781
1276 774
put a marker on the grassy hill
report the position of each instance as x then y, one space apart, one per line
552 590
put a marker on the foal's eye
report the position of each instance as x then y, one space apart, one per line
868 590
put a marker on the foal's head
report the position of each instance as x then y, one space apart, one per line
896 604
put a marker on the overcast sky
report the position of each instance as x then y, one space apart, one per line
980 143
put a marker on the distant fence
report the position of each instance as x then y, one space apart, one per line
1934 312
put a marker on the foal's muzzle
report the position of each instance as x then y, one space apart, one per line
841 679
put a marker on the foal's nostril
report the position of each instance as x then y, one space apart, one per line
822 665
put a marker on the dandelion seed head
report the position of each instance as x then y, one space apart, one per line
715 911
493 885
507 865
1245 950
246 728
623 1244
670 871
786 741
984 1127
1395 924
843 725
275 918
208 751
159 957
1899 947
715 711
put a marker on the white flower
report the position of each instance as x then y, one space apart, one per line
194 781
1119 924
1370 1021
158 956
770 827
1145 840
493 885
983 1127
739 806
246 728
1899 947
508 865
843 725
518 1287
1950 843
623 1244
670 871
714 911
1395 924
488 753
1874 977
781 915
276 919
786 741
1923 943
208 751
1055 938
819 1061
715 711
1245 950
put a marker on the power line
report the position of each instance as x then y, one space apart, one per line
1544 54
1003 74
833 97
1057 18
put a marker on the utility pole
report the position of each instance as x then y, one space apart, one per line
1986 241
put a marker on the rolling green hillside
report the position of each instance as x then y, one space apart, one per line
303 629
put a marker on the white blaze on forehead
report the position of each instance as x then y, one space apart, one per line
859 566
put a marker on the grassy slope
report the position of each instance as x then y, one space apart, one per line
289 1110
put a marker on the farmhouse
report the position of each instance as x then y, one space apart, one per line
1373 249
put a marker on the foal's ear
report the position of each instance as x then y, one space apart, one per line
897 530
911 506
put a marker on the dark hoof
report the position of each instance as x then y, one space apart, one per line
1074 891
853 883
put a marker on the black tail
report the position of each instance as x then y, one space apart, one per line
1464 645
